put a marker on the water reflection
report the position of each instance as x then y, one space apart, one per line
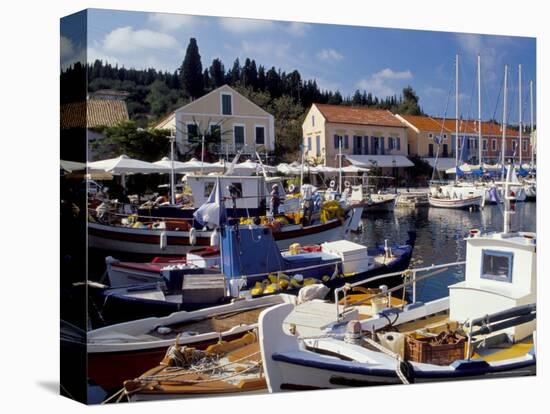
440 236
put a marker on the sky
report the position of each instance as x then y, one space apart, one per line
344 58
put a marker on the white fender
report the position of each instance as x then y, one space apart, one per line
192 236
163 240
215 238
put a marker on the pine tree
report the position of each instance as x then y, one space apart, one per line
234 75
191 71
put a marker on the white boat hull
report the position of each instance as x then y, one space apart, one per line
456 203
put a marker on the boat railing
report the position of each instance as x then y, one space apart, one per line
410 279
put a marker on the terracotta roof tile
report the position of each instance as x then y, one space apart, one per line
427 123
93 113
341 114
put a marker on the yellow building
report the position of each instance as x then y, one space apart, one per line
369 137
240 124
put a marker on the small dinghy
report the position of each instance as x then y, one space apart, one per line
123 351
227 367
468 202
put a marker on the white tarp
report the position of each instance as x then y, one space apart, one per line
443 164
179 167
126 165
383 161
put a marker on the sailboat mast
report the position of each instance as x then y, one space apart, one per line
479 143
520 117
456 114
504 104
532 123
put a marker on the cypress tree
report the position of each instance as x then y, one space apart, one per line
217 73
191 71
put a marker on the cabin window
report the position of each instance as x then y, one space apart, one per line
496 265
236 190
227 104
260 135
192 132
208 188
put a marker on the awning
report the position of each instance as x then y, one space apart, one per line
443 164
369 161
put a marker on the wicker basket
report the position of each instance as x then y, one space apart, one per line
427 350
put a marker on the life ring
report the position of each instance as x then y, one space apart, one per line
332 184
347 184
291 188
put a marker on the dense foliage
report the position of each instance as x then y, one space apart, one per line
153 94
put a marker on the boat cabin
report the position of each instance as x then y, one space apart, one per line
250 192
500 275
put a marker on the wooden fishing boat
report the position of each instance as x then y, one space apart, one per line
456 203
162 242
123 351
485 328
227 367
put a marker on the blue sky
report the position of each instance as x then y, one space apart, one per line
346 58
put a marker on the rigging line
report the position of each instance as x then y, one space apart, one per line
451 88
498 98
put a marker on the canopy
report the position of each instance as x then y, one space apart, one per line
250 167
126 165
194 165
179 167
383 161
71 166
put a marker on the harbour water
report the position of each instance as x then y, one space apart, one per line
440 236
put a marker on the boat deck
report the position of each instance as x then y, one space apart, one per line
218 323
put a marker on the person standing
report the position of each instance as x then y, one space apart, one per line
275 199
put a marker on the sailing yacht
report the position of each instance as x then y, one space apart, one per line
457 195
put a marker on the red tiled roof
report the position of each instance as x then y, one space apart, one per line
427 123
93 113
341 114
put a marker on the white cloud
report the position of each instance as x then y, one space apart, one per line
240 26
126 40
329 55
384 82
66 48
169 22
96 54
297 28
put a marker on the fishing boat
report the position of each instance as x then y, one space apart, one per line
126 350
176 237
227 367
252 266
485 328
